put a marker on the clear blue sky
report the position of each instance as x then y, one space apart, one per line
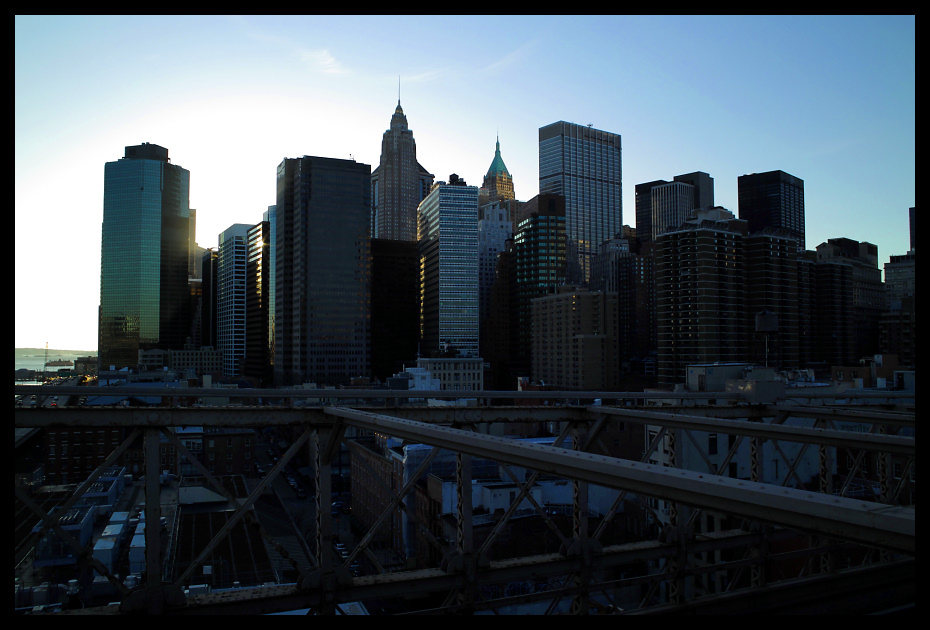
829 99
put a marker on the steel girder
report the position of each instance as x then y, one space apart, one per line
322 418
861 521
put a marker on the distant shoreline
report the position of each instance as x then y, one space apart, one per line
58 350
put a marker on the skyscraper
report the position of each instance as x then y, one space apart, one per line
700 293
773 199
703 188
322 271
672 204
644 209
539 269
144 256
575 339
494 230
398 184
448 249
230 296
498 183
259 284
583 165
662 205
395 305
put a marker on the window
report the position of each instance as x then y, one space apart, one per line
712 444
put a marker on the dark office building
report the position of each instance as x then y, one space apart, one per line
772 298
773 199
322 271
498 331
539 256
145 301
700 294
703 188
395 305
833 315
863 299
209 269
644 209
256 365
636 289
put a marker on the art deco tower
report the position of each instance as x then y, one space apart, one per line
398 184
498 182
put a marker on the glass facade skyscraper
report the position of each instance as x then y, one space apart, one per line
144 256
583 165
448 249
231 297
322 271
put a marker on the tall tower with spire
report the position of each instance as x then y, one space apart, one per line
498 183
398 184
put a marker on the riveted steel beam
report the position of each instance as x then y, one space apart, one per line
849 439
861 521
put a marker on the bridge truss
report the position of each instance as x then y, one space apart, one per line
789 549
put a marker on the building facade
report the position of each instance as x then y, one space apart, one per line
322 271
865 296
494 231
259 331
395 305
539 263
774 199
230 296
672 204
700 297
144 256
455 373
644 208
773 299
575 340
448 250
583 165
398 184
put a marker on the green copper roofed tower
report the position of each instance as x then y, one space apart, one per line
498 183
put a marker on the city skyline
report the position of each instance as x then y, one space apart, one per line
828 99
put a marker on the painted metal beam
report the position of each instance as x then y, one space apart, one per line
849 519
848 439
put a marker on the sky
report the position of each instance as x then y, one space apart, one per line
828 99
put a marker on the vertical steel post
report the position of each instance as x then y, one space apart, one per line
465 543
675 582
324 520
153 590
580 604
